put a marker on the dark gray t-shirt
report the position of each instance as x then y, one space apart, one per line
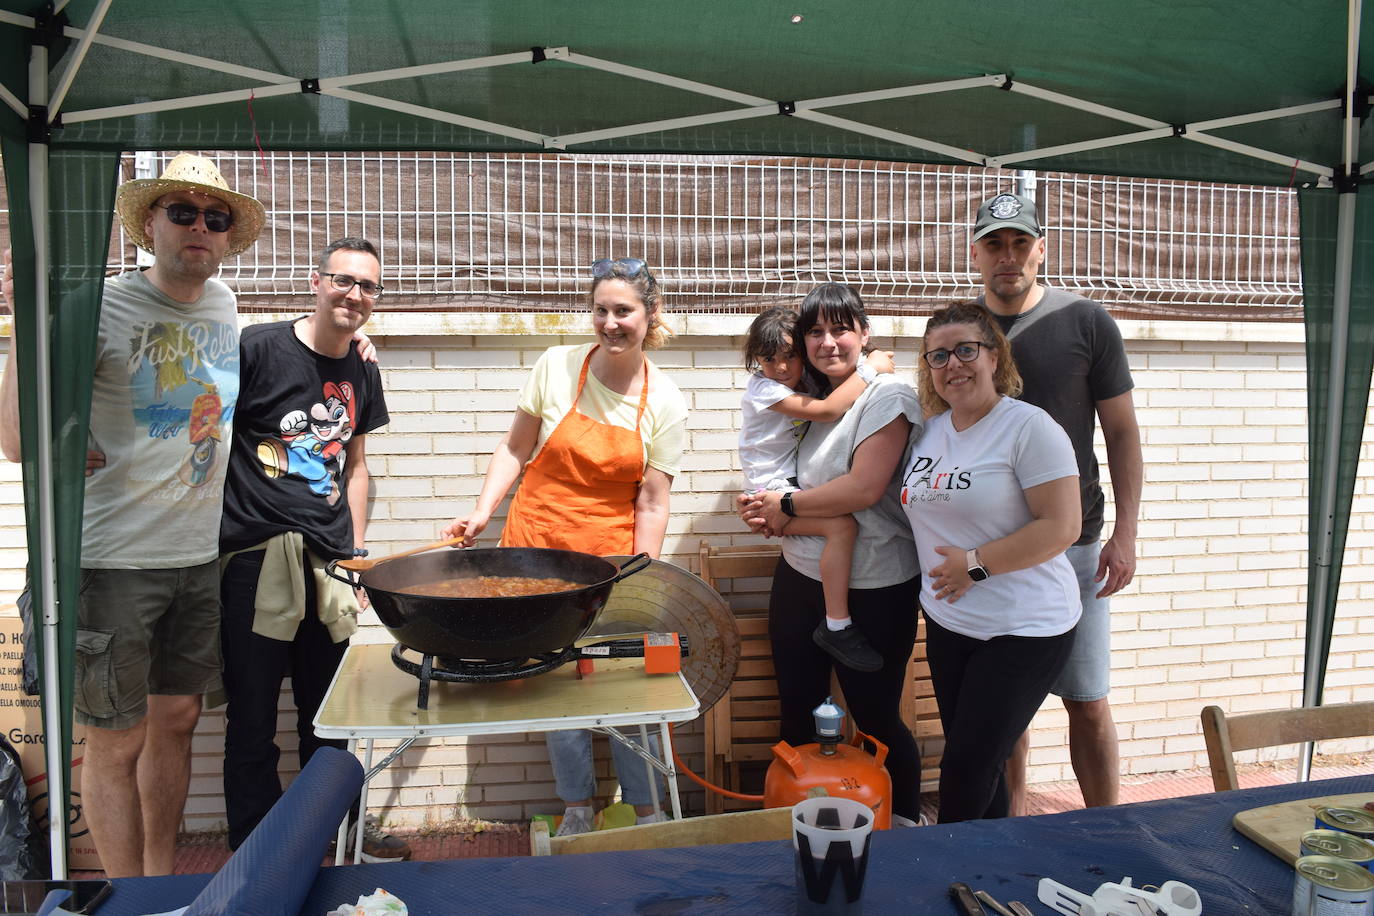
1071 356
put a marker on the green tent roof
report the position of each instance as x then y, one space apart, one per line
989 82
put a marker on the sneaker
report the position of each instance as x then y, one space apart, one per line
378 846
575 820
848 647
657 817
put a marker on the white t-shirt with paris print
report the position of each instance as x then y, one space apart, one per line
964 489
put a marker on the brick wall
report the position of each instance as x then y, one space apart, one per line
1215 615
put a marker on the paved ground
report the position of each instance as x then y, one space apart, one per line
207 852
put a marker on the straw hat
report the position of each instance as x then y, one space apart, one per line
188 173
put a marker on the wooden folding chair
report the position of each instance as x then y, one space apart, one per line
1227 734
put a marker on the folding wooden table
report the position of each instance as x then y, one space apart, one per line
371 698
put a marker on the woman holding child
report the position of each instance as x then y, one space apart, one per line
848 466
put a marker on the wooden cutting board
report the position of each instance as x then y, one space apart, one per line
1279 828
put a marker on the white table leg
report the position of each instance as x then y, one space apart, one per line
649 768
362 807
342 838
665 738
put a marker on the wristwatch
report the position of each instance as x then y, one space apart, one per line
976 570
867 373
787 508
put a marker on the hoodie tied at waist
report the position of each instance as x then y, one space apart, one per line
280 603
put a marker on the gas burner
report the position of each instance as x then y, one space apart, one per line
472 671
482 671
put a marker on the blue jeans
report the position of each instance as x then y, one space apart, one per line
1087 673
570 752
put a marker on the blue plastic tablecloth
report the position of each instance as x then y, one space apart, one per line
1184 839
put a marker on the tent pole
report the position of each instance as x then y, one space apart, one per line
1335 402
47 563
1335 407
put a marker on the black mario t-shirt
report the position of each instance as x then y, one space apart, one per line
296 412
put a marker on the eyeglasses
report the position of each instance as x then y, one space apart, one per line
185 215
343 283
965 351
628 268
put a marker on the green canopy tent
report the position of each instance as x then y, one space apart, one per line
1272 94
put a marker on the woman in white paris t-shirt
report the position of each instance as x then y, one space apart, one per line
991 491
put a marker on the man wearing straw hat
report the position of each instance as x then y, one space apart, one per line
166 381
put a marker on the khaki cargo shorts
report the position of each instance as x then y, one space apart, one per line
142 632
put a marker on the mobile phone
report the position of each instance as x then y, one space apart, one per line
19 897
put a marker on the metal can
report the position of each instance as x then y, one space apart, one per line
1347 820
1327 886
1339 846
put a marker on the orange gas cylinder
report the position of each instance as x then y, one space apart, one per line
842 770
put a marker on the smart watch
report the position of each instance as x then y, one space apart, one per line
787 508
976 570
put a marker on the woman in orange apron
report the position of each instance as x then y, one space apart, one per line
606 430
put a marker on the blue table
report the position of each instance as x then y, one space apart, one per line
1185 839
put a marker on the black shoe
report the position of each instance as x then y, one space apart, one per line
848 647
378 845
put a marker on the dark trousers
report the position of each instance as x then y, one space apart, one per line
253 670
887 617
988 691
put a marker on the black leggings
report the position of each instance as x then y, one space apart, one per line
887 617
988 690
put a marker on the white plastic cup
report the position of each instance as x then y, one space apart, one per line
830 837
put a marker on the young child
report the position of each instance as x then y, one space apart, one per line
778 403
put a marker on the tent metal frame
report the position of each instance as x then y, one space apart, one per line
278 85
755 106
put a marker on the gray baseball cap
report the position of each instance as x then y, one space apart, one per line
1007 211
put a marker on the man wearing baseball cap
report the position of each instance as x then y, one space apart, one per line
165 385
1073 364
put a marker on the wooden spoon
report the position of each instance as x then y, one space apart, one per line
362 564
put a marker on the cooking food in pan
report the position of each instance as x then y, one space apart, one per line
494 628
490 587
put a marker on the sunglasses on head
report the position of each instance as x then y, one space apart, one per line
185 215
628 268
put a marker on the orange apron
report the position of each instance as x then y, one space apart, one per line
579 492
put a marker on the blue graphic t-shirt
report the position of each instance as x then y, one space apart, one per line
162 404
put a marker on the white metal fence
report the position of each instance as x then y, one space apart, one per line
502 232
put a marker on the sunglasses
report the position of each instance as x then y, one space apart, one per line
629 268
965 352
185 215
